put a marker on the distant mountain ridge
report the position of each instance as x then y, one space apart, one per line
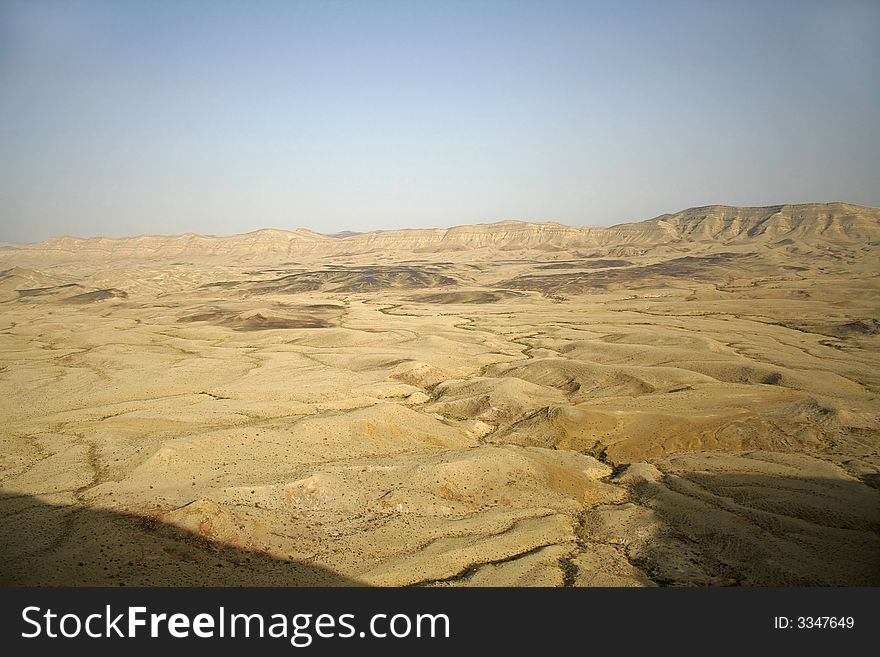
799 226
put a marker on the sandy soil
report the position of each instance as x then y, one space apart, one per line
669 404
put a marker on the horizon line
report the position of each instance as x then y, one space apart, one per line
336 235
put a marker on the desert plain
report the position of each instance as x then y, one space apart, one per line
684 401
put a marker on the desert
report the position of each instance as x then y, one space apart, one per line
688 400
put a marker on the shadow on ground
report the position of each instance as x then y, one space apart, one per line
44 544
690 527
697 528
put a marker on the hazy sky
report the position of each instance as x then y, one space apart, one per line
129 117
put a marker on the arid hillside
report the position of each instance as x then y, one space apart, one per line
792 228
688 400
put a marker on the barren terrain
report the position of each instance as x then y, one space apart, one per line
690 400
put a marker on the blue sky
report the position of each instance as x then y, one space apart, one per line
126 117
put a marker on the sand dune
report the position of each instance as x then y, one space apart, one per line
688 400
